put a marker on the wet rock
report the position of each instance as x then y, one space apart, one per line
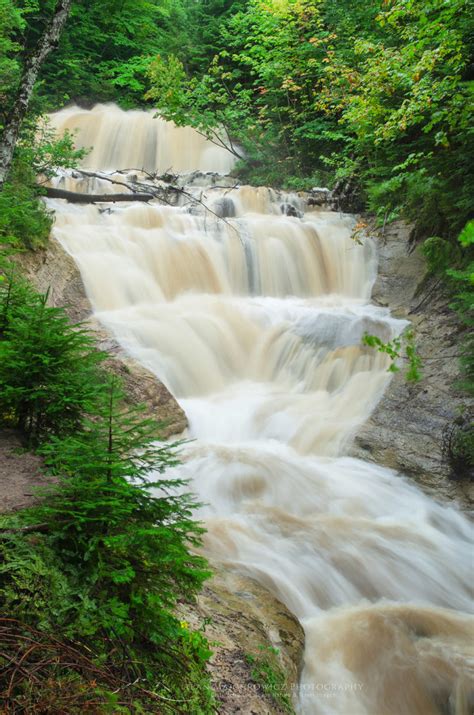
407 429
319 196
346 196
224 207
142 387
245 619
207 179
335 331
53 269
288 209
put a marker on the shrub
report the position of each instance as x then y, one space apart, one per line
48 368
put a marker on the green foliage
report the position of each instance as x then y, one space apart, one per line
461 281
268 674
458 447
380 94
402 347
439 253
466 237
406 105
44 152
454 263
106 47
258 89
114 525
48 368
25 222
11 22
32 583
99 39
38 588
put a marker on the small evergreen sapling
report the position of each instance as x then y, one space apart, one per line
110 528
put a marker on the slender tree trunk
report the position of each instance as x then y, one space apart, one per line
33 64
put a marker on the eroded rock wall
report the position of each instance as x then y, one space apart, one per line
246 620
407 428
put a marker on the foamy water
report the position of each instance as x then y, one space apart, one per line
255 325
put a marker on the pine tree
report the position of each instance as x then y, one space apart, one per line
118 524
49 375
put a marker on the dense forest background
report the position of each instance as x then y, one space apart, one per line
377 99
373 100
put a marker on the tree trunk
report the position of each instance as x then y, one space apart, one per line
76 198
31 70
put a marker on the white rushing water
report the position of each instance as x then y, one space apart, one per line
255 325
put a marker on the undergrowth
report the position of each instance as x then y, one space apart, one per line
267 672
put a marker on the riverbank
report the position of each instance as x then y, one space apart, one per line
407 430
253 635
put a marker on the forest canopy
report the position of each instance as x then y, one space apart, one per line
376 98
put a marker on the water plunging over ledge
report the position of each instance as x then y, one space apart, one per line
255 324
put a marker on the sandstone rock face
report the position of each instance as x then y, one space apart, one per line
245 619
407 428
53 269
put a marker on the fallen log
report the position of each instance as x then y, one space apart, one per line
77 198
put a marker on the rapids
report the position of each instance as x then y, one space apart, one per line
255 323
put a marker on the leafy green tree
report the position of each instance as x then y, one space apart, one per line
106 47
21 99
11 23
103 51
257 90
105 555
25 221
379 94
405 100
110 553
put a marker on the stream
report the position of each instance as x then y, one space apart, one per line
254 322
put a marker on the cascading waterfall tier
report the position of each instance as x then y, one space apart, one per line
255 323
137 141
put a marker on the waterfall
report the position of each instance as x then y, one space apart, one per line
136 140
254 323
